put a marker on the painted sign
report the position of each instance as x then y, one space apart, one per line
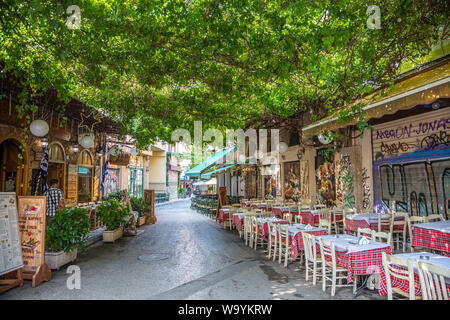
304 177
32 215
325 180
411 163
10 244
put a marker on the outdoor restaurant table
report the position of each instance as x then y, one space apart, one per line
223 215
262 206
245 203
432 235
263 227
296 239
279 211
359 259
238 219
363 220
403 285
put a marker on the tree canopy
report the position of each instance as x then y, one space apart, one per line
155 65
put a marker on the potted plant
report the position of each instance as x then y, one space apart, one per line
66 232
114 215
139 205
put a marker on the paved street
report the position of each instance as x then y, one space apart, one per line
183 256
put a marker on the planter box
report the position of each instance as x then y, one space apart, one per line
113 235
141 221
56 260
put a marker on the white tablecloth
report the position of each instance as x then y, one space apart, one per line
344 243
298 227
442 226
368 217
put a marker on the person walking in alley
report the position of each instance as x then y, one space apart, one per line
55 199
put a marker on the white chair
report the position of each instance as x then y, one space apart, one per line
434 217
248 230
288 217
284 244
384 222
345 212
401 269
398 230
330 271
273 239
366 232
319 206
432 281
256 236
298 219
228 222
385 237
309 245
325 220
412 220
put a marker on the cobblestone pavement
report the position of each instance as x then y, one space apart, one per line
183 256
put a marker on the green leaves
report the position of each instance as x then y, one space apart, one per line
113 214
155 66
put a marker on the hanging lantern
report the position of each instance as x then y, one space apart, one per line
325 138
282 147
87 141
44 142
39 128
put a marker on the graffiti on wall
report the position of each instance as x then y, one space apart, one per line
366 189
304 176
413 172
348 187
338 171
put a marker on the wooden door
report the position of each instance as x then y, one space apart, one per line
56 171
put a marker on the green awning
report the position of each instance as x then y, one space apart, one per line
198 169
207 175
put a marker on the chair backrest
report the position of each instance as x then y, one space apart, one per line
283 231
327 250
434 217
412 220
347 211
432 281
288 217
248 223
293 209
382 237
272 229
398 268
319 206
384 222
309 245
325 219
305 207
398 221
298 219
366 232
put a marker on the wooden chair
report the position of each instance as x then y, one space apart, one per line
384 222
432 281
345 212
273 239
256 237
398 229
401 269
309 245
385 237
284 244
330 271
293 209
248 230
288 217
412 220
366 232
228 222
434 217
298 219
319 206
325 220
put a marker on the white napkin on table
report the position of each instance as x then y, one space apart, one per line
363 240
308 227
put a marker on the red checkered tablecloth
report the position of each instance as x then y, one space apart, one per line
297 242
432 239
404 284
263 228
361 262
238 222
261 206
223 215
353 225
245 204
279 211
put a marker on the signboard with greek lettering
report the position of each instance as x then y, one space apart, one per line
32 215
10 244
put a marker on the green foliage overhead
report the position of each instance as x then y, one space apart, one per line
67 230
157 65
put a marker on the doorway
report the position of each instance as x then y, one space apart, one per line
56 165
12 168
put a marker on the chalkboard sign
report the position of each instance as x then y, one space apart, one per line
10 244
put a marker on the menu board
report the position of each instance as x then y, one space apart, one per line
72 181
32 214
10 248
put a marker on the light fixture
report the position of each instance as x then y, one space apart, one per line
325 138
87 141
282 147
75 147
39 128
44 142
299 155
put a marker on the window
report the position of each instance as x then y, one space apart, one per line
85 177
136 182
56 153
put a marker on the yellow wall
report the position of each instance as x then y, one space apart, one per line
157 172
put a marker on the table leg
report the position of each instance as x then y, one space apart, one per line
362 286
